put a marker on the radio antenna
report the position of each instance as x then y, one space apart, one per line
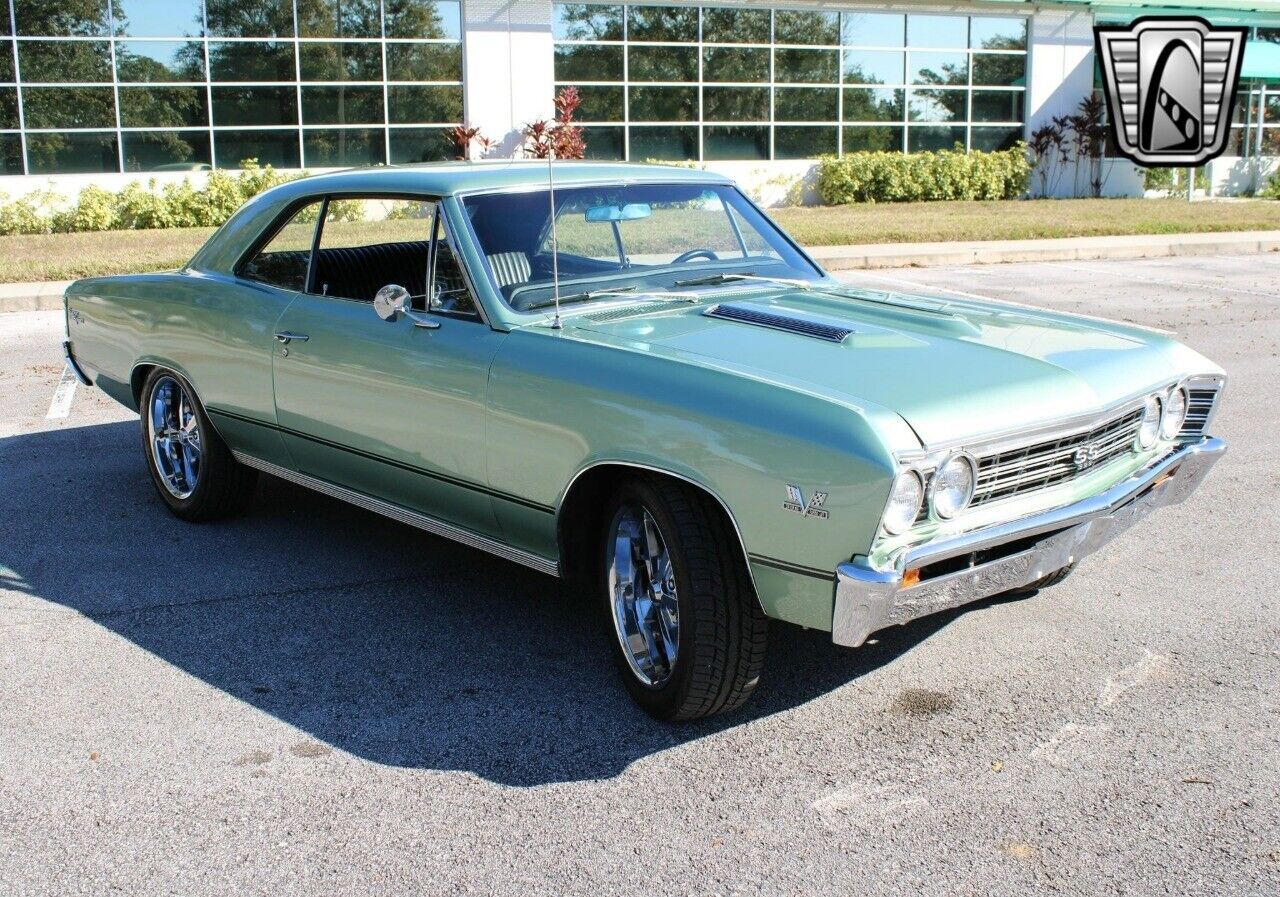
555 246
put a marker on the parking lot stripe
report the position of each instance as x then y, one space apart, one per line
60 407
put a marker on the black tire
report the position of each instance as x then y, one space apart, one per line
222 485
722 633
1045 581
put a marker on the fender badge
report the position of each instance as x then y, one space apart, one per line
812 508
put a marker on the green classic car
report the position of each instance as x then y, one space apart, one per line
652 392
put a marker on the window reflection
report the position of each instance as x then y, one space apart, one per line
154 61
82 153
344 147
167 151
163 107
64 61
250 18
778 72
301 70
276 148
42 18
159 18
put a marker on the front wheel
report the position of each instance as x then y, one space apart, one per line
687 631
192 468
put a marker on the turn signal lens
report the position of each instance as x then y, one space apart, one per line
904 503
1150 428
1175 413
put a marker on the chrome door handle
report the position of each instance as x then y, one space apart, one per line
285 337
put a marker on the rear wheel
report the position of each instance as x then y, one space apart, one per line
192 468
688 634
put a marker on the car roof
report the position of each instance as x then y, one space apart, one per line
449 178
225 248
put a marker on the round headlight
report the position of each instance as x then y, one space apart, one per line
1150 428
1175 413
952 486
904 503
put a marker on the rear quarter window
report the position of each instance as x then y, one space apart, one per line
283 260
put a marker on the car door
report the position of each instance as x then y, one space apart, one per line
231 328
391 409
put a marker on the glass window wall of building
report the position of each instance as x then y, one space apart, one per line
161 85
718 82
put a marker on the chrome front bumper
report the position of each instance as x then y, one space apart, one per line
868 599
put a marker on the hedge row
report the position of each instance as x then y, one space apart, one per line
917 177
139 206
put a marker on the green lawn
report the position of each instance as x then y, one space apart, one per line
68 256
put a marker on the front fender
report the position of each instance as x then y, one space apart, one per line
559 406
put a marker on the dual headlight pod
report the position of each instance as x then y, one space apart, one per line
949 492
1163 417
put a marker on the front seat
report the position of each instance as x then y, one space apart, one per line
510 268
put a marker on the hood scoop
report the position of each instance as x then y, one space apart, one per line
780 319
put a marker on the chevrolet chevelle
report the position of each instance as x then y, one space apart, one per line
652 392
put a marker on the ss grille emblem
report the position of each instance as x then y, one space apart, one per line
812 508
1087 455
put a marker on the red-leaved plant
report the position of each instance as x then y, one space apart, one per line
468 142
560 134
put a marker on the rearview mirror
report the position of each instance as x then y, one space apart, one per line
629 212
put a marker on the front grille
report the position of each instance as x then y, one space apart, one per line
1199 407
1043 464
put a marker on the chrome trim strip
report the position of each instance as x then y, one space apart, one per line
412 518
868 599
75 365
733 521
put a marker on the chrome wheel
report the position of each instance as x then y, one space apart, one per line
642 587
174 432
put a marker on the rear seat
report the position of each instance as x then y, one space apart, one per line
358 272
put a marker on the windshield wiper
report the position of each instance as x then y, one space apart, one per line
713 279
584 296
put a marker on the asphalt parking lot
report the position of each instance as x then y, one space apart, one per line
312 699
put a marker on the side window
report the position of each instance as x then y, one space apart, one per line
449 291
366 244
282 261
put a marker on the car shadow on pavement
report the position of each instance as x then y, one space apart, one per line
371 636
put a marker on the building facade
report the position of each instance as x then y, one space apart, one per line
130 87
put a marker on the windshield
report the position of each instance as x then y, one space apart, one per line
633 239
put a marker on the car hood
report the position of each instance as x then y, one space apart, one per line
954 371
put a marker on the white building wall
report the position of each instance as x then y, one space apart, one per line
508 67
1059 76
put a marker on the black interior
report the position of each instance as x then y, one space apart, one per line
358 272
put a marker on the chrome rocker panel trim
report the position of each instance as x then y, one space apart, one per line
404 515
868 600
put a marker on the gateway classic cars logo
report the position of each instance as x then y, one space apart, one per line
1171 86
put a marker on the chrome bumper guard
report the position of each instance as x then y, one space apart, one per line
868 599
74 365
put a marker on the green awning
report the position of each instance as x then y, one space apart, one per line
1261 61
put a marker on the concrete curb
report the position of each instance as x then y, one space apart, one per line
32 296
902 255
47 296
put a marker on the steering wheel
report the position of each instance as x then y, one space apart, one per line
693 254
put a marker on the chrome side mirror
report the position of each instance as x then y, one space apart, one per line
390 301
393 300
